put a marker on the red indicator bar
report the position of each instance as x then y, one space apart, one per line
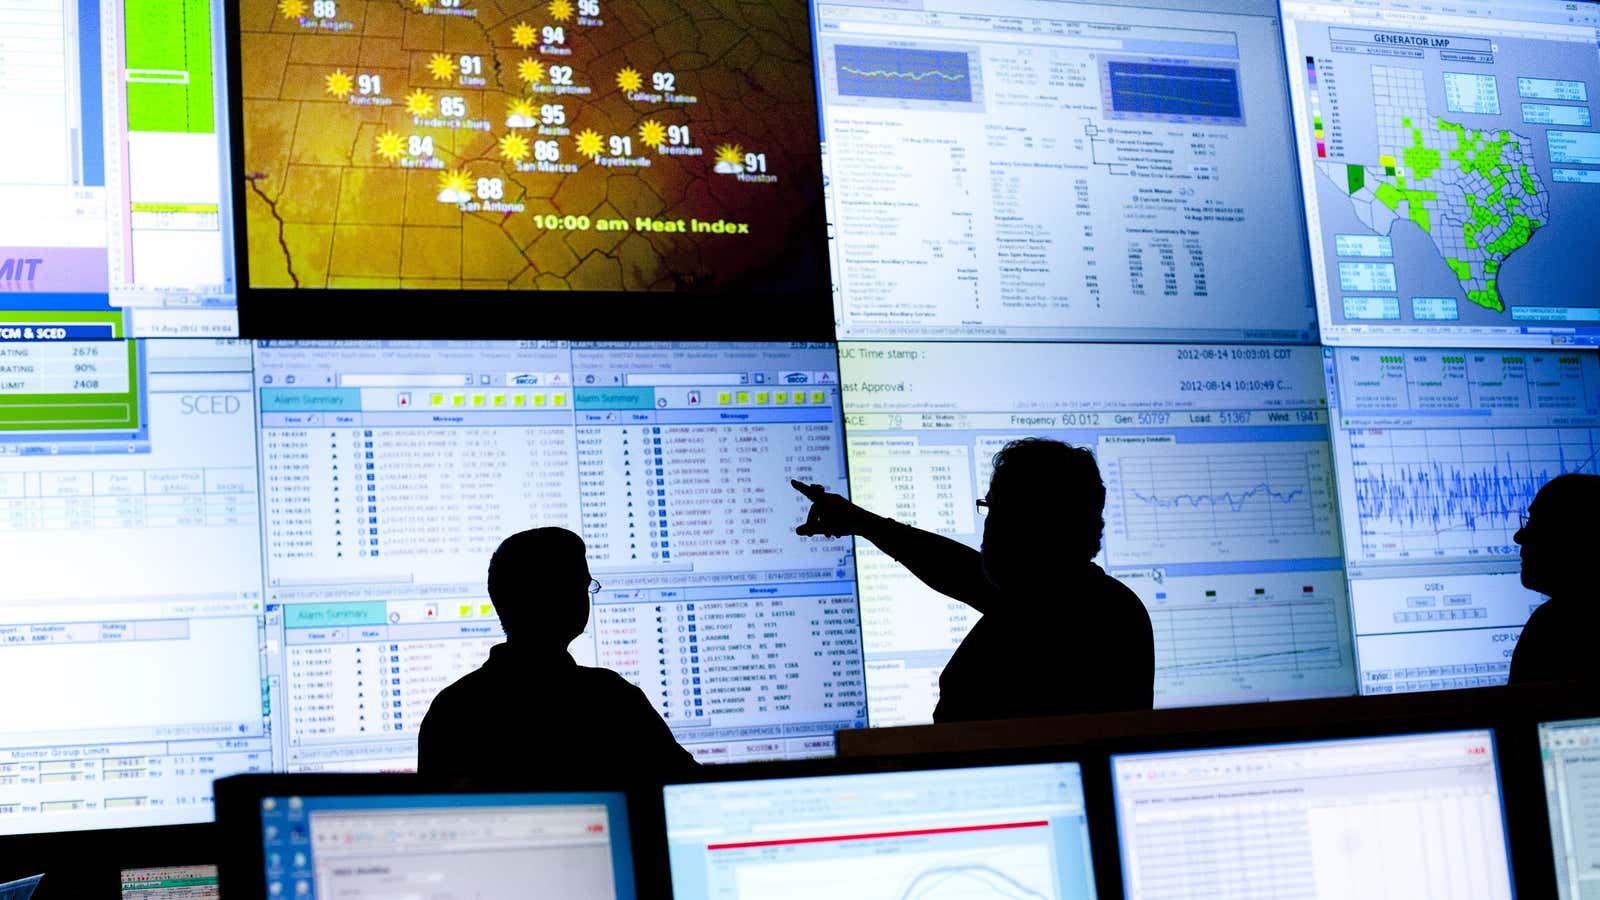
833 838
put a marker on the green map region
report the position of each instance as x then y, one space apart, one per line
74 386
1475 193
169 66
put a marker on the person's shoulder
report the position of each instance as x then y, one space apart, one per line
604 680
474 688
1119 597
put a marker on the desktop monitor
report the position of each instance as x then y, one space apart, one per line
1417 815
1570 751
310 838
114 207
1033 170
576 168
1450 169
171 883
991 831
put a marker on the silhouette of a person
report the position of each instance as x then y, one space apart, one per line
1558 547
531 712
1058 636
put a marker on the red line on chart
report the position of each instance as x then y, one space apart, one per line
834 838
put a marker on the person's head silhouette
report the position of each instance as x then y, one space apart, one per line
540 586
1044 512
1556 538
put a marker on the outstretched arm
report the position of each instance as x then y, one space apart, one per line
948 566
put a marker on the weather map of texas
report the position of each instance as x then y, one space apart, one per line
594 145
1477 194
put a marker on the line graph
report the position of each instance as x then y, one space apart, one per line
1165 91
1243 638
1455 491
1204 502
896 73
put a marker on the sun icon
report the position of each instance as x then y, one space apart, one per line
630 80
339 84
455 186
514 147
442 67
590 143
292 9
653 134
523 35
520 114
730 160
391 146
419 103
561 10
531 71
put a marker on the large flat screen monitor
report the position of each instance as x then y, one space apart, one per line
597 168
1451 169
113 183
997 831
391 471
1033 170
1438 454
228 557
1570 751
130 624
1409 816
1220 509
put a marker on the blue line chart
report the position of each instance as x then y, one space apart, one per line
894 73
1225 499
1440 497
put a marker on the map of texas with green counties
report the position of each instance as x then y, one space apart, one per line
1475 193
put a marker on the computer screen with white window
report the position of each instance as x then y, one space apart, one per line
1450 168
391 471
996 831
1037 170
112 187
1412 816
461 845
1570 751
1220 508
1439 453
132 554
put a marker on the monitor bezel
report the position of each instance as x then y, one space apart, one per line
744 311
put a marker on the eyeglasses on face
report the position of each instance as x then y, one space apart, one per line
594 587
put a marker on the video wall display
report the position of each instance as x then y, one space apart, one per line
1450 169
590 147
1044 171
290 544
113 188
1045 218
1439 453
1221 511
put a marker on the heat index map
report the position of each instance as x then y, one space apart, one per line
495 145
